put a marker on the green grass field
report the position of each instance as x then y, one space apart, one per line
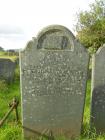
13 131
5 55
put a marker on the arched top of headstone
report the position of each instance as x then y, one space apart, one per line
55 37
56 28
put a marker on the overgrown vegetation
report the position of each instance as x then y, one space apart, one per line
90 26
10 130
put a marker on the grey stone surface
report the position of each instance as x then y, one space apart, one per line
53 83
98 91
7 70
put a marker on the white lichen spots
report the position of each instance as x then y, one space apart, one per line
24 100
33 90
29 91
80 55
67 89
30 82
28 72
96 103
79 93
24 94
101 101
68 60
39 71
49 86
103 106
45 75
26 87
48 68
33 95
52 119
30 117
35 99
24 118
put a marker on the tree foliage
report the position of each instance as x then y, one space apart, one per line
90 26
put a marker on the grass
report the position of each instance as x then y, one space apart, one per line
10 130
13 131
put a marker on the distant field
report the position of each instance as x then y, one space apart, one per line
13 131
6 55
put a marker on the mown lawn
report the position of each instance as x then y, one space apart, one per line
13 131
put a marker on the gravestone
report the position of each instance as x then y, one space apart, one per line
7 70
53 83
98 91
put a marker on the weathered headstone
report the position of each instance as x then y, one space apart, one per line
98 91
53 82
7 70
